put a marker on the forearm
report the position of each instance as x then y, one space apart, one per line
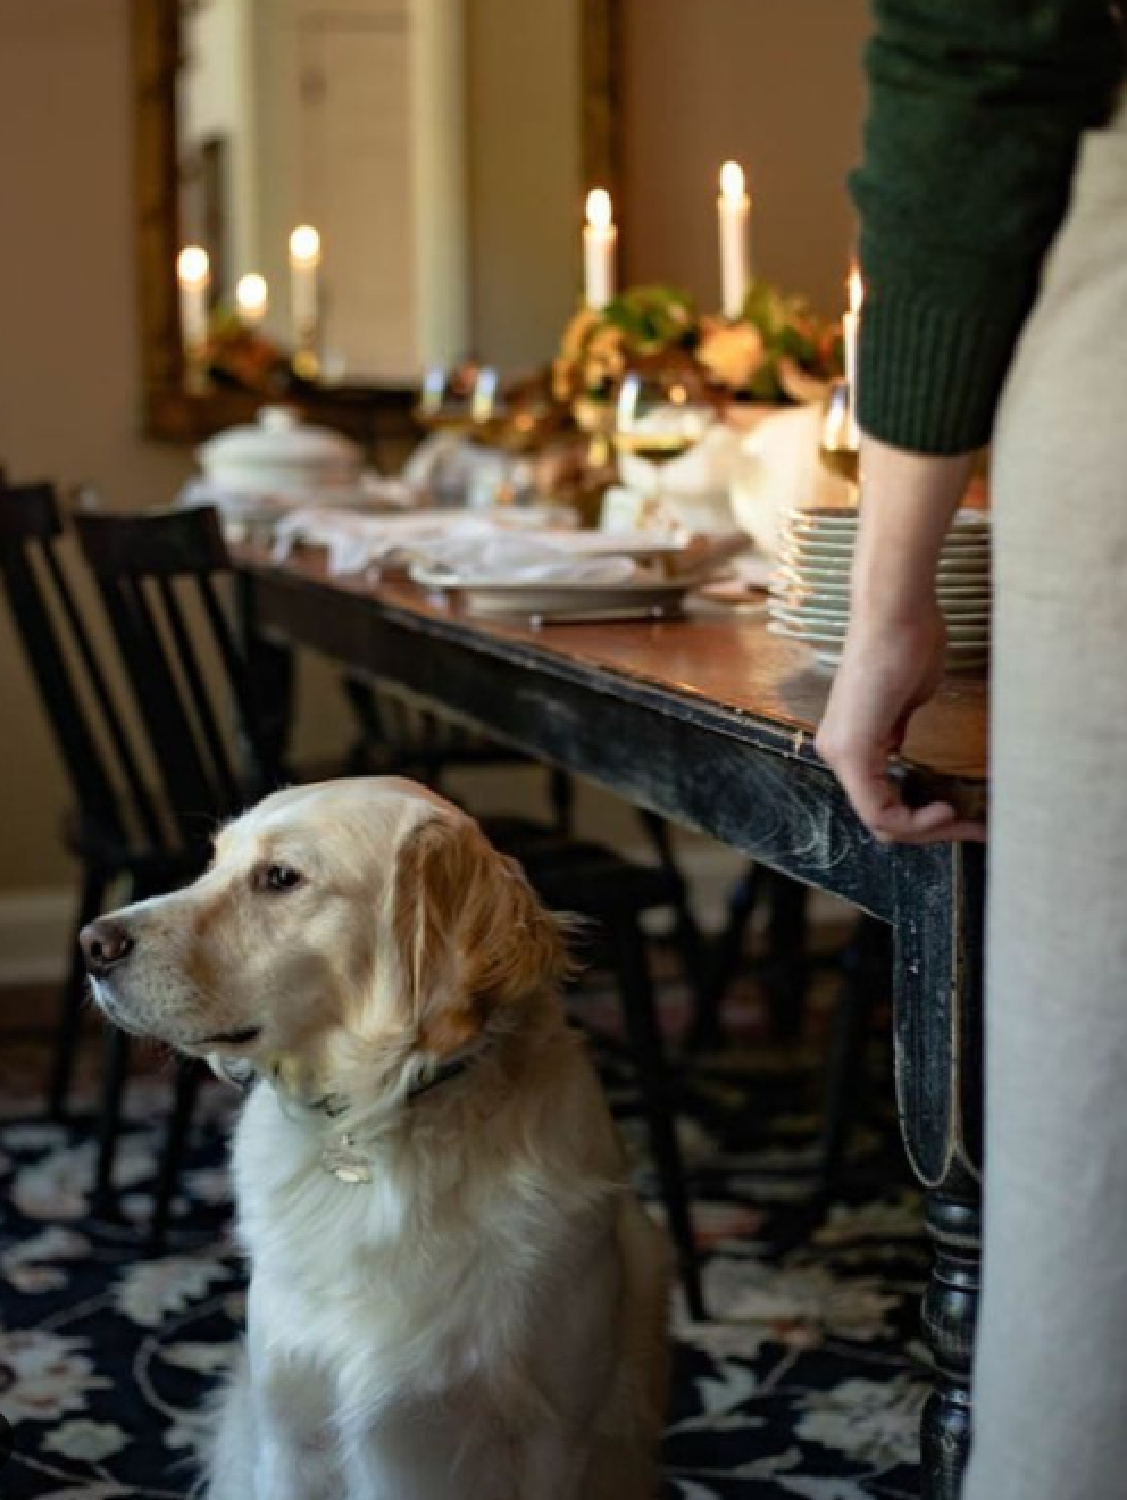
908 502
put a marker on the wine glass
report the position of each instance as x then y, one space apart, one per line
441 408
840 444
659 417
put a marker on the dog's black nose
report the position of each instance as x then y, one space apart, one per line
104 944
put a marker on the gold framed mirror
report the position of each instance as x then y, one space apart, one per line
369 408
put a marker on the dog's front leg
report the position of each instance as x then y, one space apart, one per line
296 1450
552 1464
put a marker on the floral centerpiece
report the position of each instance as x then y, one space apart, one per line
777 352
646 324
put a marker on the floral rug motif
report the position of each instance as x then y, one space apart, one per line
807 1383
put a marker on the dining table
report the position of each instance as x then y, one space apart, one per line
710 721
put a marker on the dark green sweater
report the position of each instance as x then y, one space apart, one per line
975 116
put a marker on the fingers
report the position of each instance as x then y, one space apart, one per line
937 823
878 802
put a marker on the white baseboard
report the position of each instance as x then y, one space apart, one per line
35 926
35 931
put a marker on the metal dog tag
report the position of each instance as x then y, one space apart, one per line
345 1163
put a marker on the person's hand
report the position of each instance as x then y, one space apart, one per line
889 668
893 657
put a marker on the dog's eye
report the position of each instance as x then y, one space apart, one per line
277 878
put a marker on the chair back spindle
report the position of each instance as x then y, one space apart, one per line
53 631
157 574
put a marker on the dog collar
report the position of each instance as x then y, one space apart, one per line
341 1157
344 1160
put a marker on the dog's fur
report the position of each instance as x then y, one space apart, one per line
484 1319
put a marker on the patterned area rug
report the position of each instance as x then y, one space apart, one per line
807 1383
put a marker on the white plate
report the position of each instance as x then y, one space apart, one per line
818 570
957 606
844 518
968 628
632 598
836 585
835 550
827 650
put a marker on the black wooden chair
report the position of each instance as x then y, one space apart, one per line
158 577
117 828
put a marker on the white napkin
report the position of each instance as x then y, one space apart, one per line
354 541
506 558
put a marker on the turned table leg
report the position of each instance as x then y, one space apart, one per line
938 936
950 1308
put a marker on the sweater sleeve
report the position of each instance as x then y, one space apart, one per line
975 115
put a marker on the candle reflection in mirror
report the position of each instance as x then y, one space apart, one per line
305 300
252 299
193 273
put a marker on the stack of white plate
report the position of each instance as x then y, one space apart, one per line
809 595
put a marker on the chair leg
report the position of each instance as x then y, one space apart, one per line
690 942
70 1024
104 1203
729 948
788 959
561 795
645 1043
188 1076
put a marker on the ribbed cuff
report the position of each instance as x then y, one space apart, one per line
929 377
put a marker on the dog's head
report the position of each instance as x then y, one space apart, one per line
342 931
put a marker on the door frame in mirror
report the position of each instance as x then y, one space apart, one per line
374 415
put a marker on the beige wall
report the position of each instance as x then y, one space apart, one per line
775 84
524 175
68 396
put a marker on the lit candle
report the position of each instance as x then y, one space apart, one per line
849 325
734 210
305 258
193 271
252 298
599 240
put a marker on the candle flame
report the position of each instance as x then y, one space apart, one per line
192 266
733 184
305 246
599 210
856 289
252 294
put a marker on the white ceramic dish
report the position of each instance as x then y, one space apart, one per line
282 456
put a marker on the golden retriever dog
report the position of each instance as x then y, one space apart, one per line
454 1294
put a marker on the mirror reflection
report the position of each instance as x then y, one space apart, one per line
352 185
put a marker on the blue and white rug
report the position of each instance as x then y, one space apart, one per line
808 1383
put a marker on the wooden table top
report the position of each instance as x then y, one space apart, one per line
729 660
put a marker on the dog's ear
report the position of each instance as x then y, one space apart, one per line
470 933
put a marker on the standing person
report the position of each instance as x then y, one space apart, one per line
993 204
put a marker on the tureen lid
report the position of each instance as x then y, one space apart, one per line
280 437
